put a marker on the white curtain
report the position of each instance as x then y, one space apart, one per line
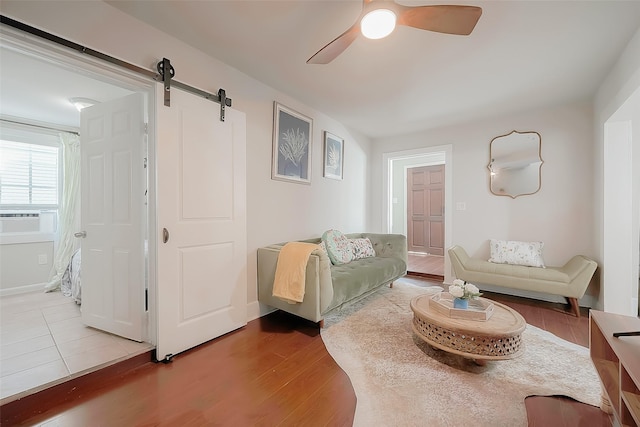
69 212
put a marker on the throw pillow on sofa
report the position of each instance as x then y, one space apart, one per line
362 248
516 253
338 247
323 247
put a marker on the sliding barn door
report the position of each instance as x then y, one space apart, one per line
112 137
202 256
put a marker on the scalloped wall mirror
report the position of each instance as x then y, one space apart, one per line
515 165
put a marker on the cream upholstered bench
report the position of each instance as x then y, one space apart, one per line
570 281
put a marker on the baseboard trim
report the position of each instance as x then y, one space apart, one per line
255 310
434 277
22 289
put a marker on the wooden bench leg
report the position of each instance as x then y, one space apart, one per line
574 306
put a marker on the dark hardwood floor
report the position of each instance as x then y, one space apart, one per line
273 372
556 318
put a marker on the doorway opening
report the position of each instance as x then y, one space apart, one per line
46 329
417 200
621 209
425 220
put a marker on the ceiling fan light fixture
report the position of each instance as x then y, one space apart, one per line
378 24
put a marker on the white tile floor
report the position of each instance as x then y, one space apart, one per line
44 342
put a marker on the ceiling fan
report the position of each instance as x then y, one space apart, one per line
379 17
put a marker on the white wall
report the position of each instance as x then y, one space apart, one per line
617 90
277 211
25 264
560 214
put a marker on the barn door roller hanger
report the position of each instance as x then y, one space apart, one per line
167 80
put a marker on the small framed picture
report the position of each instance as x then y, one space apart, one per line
333 156
291 145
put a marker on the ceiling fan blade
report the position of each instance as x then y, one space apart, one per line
335 47
447 19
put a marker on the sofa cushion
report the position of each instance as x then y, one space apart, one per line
353 280
338 247
516 253
362 248
517 271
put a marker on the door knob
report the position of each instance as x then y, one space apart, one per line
80 234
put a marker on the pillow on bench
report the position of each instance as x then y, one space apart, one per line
516 253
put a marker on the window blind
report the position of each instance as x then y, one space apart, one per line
29 175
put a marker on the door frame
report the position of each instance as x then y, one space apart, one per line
103 71
424 153
621 225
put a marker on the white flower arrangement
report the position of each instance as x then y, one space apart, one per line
464 290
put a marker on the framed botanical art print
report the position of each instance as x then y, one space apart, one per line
291 145
333 159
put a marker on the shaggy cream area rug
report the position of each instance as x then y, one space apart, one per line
399 380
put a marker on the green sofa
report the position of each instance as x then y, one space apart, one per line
329 287
570 281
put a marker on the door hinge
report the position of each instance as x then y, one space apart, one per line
146 300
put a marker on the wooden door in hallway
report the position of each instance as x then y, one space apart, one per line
425 209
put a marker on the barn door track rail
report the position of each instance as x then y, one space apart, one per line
167 78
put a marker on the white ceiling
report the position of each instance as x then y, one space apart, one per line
521 55
39 90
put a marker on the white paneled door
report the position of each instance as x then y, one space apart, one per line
202 257
112 197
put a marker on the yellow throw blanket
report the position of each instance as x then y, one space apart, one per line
290 271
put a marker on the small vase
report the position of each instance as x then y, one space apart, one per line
461 303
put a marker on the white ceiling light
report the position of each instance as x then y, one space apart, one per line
81 103
378 23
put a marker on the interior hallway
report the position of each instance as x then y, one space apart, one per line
44 342
425 265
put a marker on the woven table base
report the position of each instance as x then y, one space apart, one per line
499 337
480 345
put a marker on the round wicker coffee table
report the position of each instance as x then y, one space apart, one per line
497 338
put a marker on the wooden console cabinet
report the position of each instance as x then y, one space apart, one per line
617 360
